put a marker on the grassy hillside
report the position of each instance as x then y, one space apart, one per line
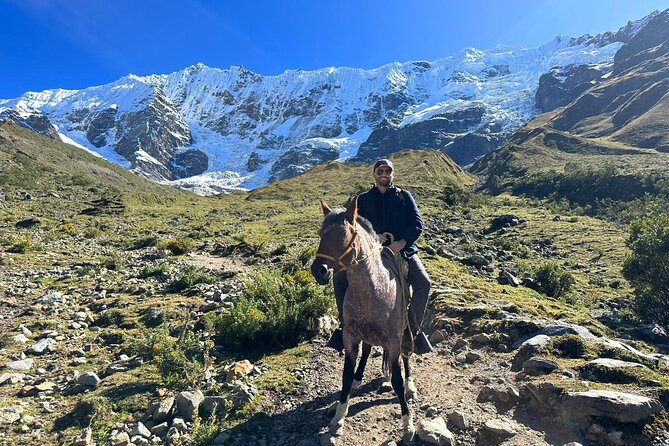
154 272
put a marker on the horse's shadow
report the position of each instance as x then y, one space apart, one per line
308 421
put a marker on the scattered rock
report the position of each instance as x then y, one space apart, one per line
434 431
10 415
501 428
163 410
85 438
21 366
623 407
89 379
539 366
459 419
188 402
43 346
239 370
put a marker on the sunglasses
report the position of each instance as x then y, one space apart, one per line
382 171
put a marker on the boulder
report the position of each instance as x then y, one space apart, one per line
188 403
434 431
622 407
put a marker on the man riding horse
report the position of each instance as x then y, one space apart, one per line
394 215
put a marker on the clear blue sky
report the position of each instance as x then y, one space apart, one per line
79 43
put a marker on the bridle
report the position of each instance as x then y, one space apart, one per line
352 246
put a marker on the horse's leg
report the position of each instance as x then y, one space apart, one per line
409 430
337 424
411 390
357 378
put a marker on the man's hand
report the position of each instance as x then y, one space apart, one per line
398 245
382 238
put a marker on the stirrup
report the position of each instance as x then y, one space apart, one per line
337 340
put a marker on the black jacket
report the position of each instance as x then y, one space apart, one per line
394 211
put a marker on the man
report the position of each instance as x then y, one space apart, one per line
395 218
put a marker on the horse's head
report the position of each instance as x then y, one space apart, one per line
339 241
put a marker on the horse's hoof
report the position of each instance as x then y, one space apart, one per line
336 428
411 390
409 429
327 440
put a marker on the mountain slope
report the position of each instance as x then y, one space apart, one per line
619 124
213 130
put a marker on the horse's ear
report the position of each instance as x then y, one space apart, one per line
352 210
326 208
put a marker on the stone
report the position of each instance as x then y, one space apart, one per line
85 438
500 427
188 402
211 403
239 370
163 410
481 338
21 366
180 425
222 438
472 357
20 338
141 430
652 333
506 278
120 439
243 394
43 346
434 431
10 415
11 378
160 430
460 344
623 407
539 366
437 337
459 419
89 379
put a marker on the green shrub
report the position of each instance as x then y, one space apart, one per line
553 280
181 361
647 267
274 308
571 346
178 246
190 276
157 270
20 246
145 242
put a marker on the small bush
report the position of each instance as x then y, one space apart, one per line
274 308
181 362
20 246
571 346
145 242
157 270
553 280
191 276
178 246
646 268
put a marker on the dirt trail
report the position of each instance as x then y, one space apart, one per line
444 385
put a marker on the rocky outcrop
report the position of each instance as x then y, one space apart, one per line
188 163
298 160
560 86
37 123
463 135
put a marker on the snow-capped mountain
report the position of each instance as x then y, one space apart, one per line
212 130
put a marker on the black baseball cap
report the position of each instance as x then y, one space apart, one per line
382 163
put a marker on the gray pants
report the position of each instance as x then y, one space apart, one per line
417 278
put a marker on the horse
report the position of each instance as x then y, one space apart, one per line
375 313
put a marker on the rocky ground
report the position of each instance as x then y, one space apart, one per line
510 366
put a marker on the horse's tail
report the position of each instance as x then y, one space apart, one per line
384 365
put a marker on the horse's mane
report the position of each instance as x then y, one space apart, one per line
337 217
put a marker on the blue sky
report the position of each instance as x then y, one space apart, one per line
79 43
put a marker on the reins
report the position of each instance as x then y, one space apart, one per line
352 246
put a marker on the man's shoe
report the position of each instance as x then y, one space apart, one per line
421 344
337 340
